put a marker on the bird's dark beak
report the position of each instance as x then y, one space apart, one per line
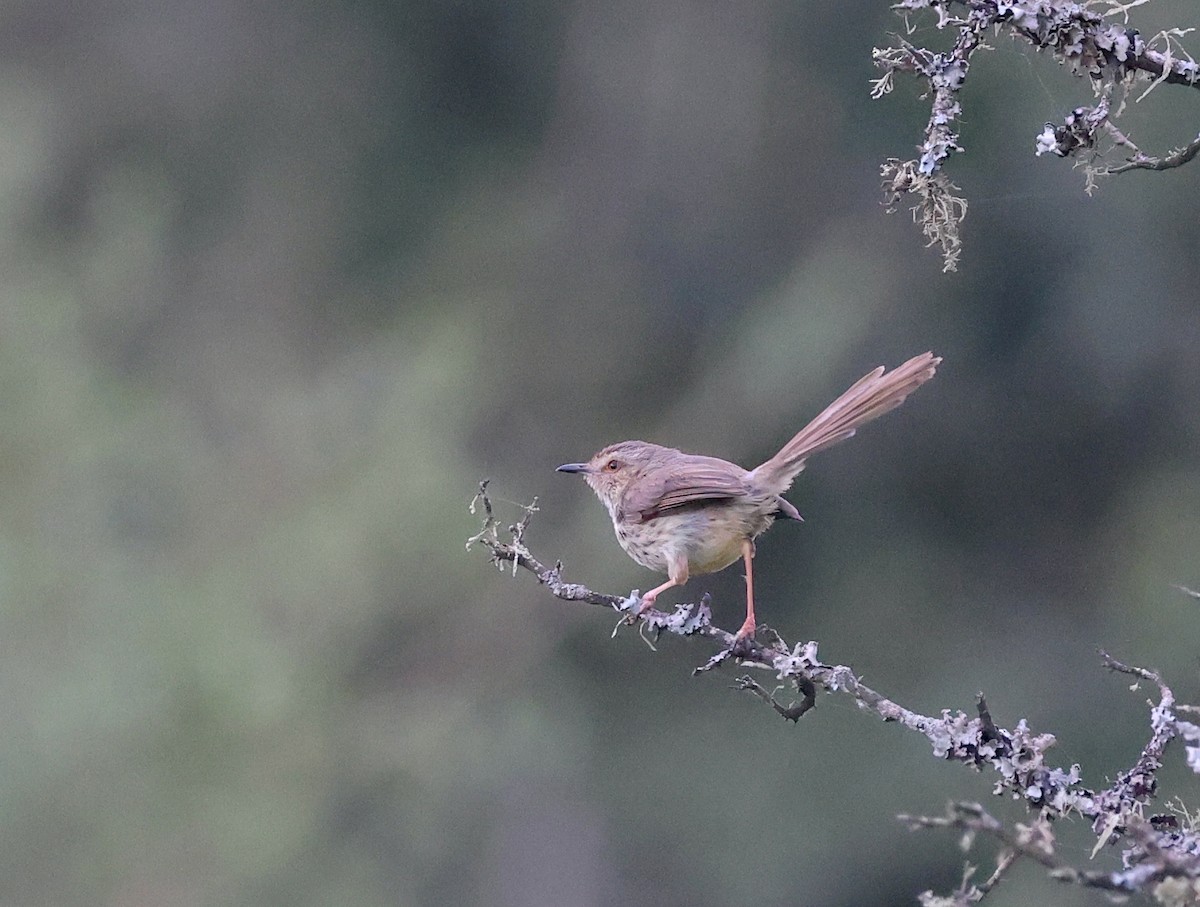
573 467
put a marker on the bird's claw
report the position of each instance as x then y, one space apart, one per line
629 604
743 644
635 606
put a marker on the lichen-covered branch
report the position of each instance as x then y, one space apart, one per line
1036 841
1160 855
1092 39
939 208
1169 161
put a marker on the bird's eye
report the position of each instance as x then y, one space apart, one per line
612 466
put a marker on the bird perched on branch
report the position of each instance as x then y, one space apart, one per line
685 514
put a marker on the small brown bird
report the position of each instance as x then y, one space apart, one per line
683 514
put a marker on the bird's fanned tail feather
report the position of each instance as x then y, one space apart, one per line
872 395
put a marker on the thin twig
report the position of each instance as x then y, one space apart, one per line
1176 158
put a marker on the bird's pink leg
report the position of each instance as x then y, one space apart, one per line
748 626
677 571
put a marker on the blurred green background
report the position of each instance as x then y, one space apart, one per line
282 282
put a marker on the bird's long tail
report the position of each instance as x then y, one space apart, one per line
872 395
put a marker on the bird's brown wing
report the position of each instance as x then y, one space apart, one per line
693 479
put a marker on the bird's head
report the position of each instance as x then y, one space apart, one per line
610 471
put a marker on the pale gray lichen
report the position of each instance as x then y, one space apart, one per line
1089 42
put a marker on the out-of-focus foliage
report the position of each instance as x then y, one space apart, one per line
283 282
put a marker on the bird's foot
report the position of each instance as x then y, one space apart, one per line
639 605
634 607
747 630
739 647
631 602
